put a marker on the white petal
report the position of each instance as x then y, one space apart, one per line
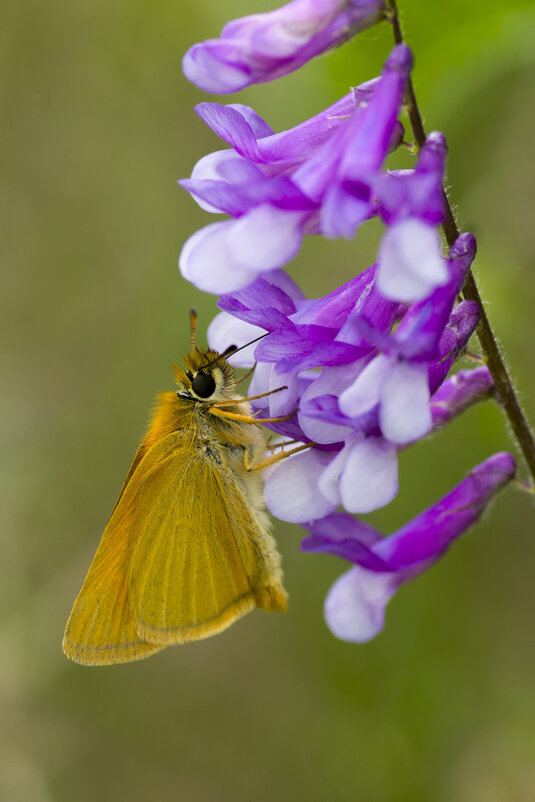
405 413
266 237
370 477
363 394
410 264
285 401
208 263
261 382
329 480
225 330
265 379
291 490
355 605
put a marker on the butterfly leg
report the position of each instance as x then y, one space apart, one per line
246 375
274 458
222 413
233 402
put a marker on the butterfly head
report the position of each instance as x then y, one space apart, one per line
206 376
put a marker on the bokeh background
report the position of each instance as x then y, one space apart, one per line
96 126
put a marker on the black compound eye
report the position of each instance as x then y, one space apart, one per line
203 385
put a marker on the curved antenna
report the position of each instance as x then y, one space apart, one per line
193 327
231 350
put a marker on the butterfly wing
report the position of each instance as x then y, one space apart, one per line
182 558
101 629
187 576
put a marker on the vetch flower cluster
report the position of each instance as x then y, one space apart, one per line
262 47
366 367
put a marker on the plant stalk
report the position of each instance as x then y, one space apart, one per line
504 390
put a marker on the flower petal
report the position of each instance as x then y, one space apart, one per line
410 264
363 395
428 535
355 605
291 490
370 477
266 238
208 262
225 330
405 414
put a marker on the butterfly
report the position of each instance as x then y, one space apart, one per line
188 549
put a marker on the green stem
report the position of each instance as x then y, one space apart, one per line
504 391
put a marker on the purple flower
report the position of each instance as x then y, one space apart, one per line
397 381
459 392
355 605
376 388
343 174
411 203
355 466
318 177
262 47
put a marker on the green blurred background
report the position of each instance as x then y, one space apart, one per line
97 125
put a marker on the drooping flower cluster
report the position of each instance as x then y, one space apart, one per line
262 47
366 366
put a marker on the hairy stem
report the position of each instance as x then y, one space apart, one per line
505 393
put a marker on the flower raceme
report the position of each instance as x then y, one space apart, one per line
262 47
366 368
316 178
355 605
375 392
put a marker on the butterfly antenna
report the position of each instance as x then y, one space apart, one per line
193 326
231 350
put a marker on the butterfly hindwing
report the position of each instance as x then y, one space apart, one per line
187 576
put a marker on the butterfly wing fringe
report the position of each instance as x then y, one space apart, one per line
272 598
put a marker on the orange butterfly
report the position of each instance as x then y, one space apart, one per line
187 549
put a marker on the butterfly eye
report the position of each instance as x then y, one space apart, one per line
189 374
203 385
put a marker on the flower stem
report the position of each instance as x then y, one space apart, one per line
504 391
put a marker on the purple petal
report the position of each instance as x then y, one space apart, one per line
421 328
462 323
251 137
339 528
215 66
333 309
428 535
229 124
416 193
262 47
355 605
348 165
460 391
261 303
